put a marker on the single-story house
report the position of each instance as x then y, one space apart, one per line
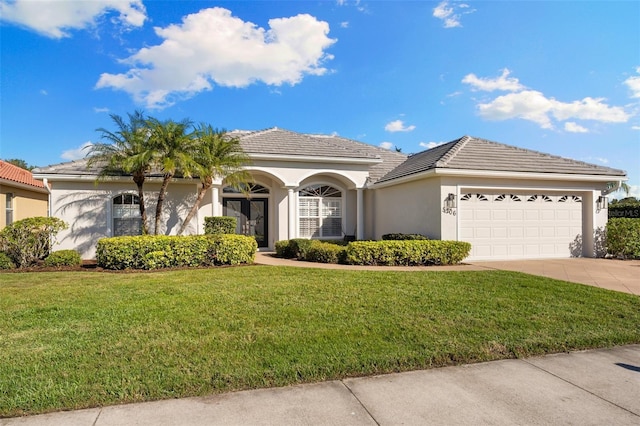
21 195
508 202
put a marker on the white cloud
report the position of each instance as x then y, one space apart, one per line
212 46
99 110
386 145
398 126
450 13
77 153
533 105
572 127
634 84
430 145
503 82
43 92
635 127
54 19
344 24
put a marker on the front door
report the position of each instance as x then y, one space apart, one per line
251 216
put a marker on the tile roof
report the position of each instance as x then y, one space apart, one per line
470 153
16 174
275 141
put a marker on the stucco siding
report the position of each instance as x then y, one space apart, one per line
86 208
410 208
25 203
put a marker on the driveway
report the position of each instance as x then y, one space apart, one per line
612 274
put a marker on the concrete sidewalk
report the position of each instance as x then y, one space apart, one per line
595 387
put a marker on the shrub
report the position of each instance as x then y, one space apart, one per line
325 252
214 225
158 259
400 237
160 251
623 237
63 258
29 240
418 252
284 249
5 261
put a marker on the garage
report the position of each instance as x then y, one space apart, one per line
520 225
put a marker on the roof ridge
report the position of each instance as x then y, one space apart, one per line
377 148
451 153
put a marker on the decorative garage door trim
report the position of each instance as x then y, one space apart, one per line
507 224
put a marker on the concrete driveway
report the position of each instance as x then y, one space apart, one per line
612 274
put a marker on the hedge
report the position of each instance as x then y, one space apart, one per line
409 253
5 261
160 251
215 225
400 237
623 237
386 252
63 258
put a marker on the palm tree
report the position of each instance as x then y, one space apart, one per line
127 151
217 156
172 143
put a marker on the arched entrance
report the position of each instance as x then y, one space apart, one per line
251 212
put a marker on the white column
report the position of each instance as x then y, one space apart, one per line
360 214
215 201
292 213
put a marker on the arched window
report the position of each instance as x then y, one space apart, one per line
320 212
251 188
126 215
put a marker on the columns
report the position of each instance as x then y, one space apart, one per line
215 201
360 214
292 213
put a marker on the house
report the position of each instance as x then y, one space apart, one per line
21 195
510 203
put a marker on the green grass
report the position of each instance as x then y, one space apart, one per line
72 340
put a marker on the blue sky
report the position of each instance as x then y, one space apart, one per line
554 76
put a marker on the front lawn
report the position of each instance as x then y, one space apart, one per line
72 340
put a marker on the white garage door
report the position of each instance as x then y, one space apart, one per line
510 225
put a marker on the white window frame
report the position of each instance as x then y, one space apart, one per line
321 208
9 208
130 208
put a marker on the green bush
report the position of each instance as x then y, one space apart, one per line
6 262
284 249
158 259
623 237
161 251
409 253
401 237
325 252
29 240
214 225
63 258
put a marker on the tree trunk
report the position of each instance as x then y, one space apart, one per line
203 190
161 196
138 178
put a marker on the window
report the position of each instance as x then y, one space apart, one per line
126 215
8 208
320 212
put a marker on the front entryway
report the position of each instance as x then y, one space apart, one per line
251 216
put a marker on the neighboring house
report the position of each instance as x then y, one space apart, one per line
21 195
508 202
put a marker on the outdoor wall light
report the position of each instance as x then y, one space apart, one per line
602 203
450 204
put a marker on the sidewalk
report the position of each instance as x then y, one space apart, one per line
594 387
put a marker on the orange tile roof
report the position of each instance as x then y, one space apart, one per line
15 174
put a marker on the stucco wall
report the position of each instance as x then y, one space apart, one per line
86 208
409 208
25 203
